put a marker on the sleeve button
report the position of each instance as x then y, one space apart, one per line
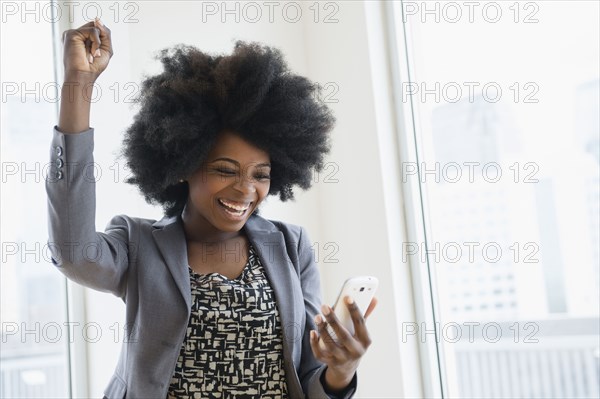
59 162
58 150
59 175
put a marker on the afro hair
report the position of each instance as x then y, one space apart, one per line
252 92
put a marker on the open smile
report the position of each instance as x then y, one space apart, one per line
234 210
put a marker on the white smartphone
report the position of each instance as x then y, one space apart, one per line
361 289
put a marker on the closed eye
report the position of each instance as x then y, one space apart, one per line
231 172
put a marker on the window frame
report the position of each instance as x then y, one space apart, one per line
78 366
422 372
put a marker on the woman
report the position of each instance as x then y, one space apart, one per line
220 302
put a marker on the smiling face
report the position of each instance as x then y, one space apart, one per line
230 185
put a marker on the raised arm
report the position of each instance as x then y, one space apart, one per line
98 260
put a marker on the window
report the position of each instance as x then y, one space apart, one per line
35 334
504 103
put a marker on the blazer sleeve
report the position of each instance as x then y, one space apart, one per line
93 259
311 370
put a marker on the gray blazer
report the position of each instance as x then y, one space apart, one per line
144 262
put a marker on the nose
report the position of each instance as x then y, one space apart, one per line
245 184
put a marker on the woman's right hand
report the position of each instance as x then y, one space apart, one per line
87 49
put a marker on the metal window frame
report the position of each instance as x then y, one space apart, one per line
75 294
399 47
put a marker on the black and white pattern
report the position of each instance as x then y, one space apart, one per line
233 346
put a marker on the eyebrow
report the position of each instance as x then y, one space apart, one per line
237 163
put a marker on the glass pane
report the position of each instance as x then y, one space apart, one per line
34 355
506 98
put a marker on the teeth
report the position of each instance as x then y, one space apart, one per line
236 207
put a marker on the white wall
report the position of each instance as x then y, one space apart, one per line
352 213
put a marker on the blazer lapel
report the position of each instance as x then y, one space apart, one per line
170 240
271 248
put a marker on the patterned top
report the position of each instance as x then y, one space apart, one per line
233 346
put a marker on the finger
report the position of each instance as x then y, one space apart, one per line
84 26
90 36
94 34
88 24
328 341
344 338
82 38
96 43
105 36
86 35
319 353
360 327
371 307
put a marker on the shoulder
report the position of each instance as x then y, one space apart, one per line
290 231
296 239
126 222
